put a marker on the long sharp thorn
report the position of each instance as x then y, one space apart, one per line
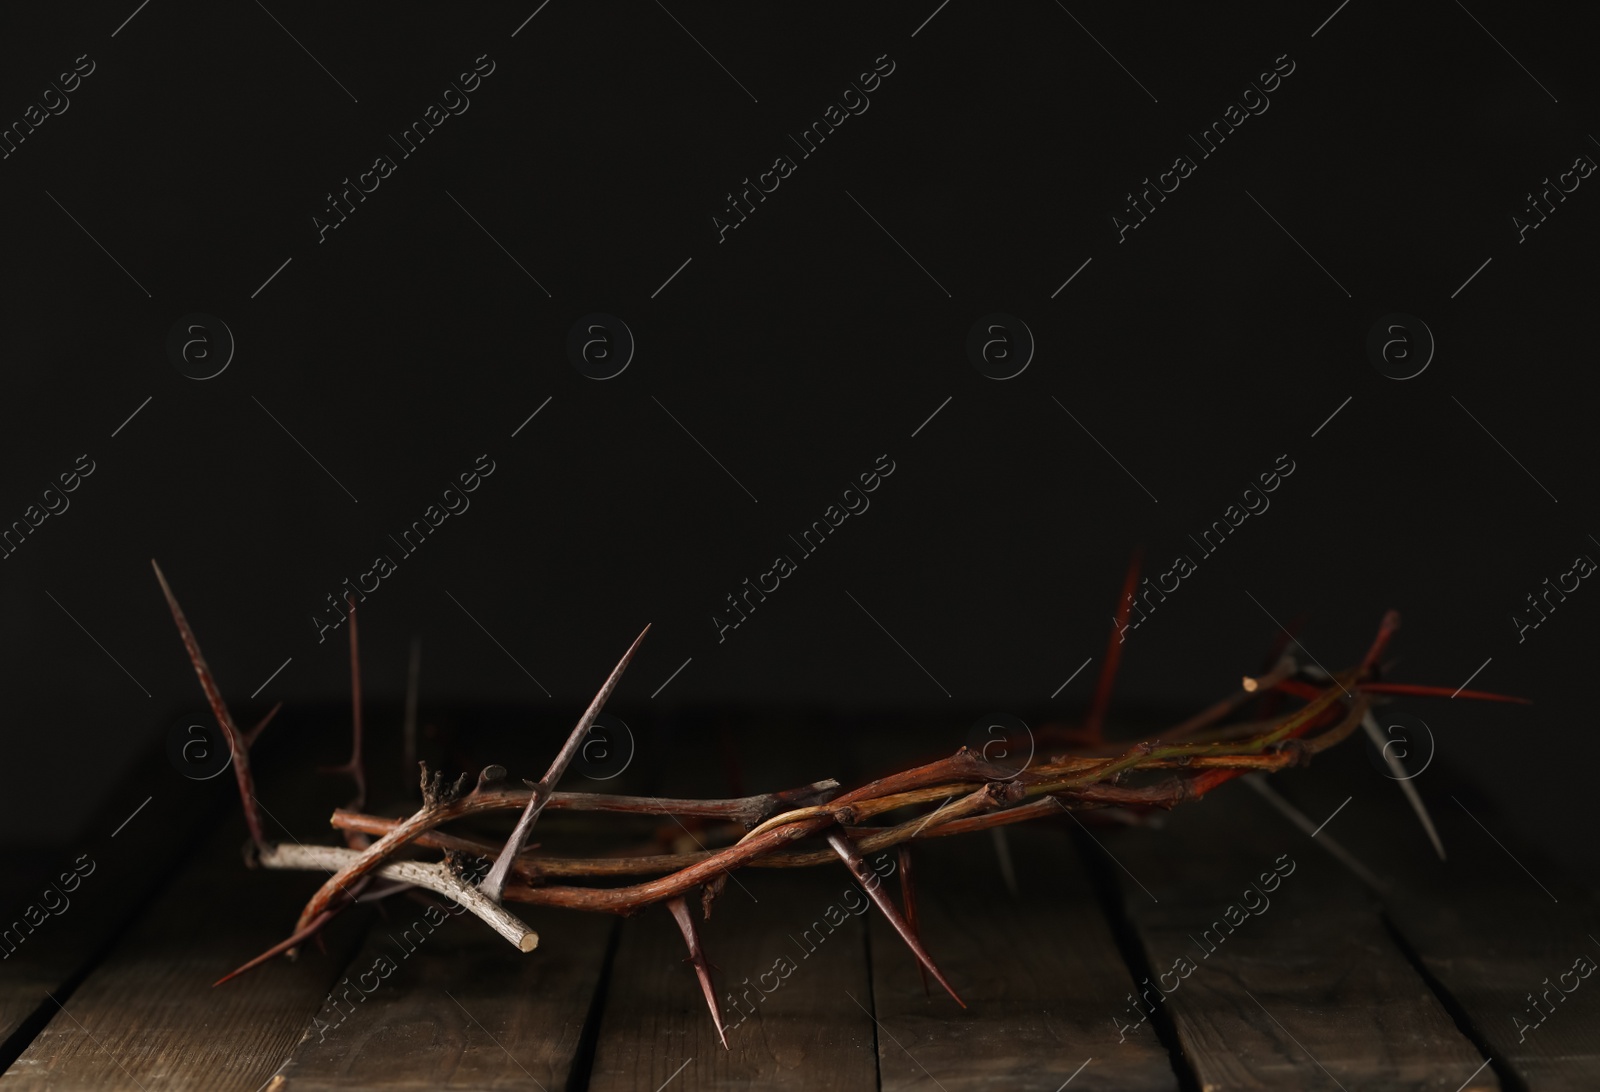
494 883
313 927
261 725
908 898
1094 720
357 764
1386 629
236 745
1397 770
697 956
409 727
872 883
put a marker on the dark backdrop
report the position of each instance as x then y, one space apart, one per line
817 339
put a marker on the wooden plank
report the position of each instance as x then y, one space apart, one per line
795 1028
1490 924
54 927
148 1015
1041 975
455 1006
1277 969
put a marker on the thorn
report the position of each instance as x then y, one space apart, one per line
1002 850
282 946
261 726
1094 720
356 767
697 956
908 898
494 883
1386 629
409 726
1398 770
872 883
219 709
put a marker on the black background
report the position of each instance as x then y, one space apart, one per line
797 351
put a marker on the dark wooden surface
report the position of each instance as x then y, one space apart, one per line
1335 984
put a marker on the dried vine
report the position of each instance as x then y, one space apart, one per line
1190 760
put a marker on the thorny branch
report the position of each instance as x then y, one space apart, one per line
765 831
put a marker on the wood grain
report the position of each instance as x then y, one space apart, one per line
1041 975
1489 924
148 1017
1301 985
802 1027
459 1009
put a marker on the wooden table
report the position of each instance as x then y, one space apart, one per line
1225 947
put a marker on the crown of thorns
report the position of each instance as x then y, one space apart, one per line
1222 742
